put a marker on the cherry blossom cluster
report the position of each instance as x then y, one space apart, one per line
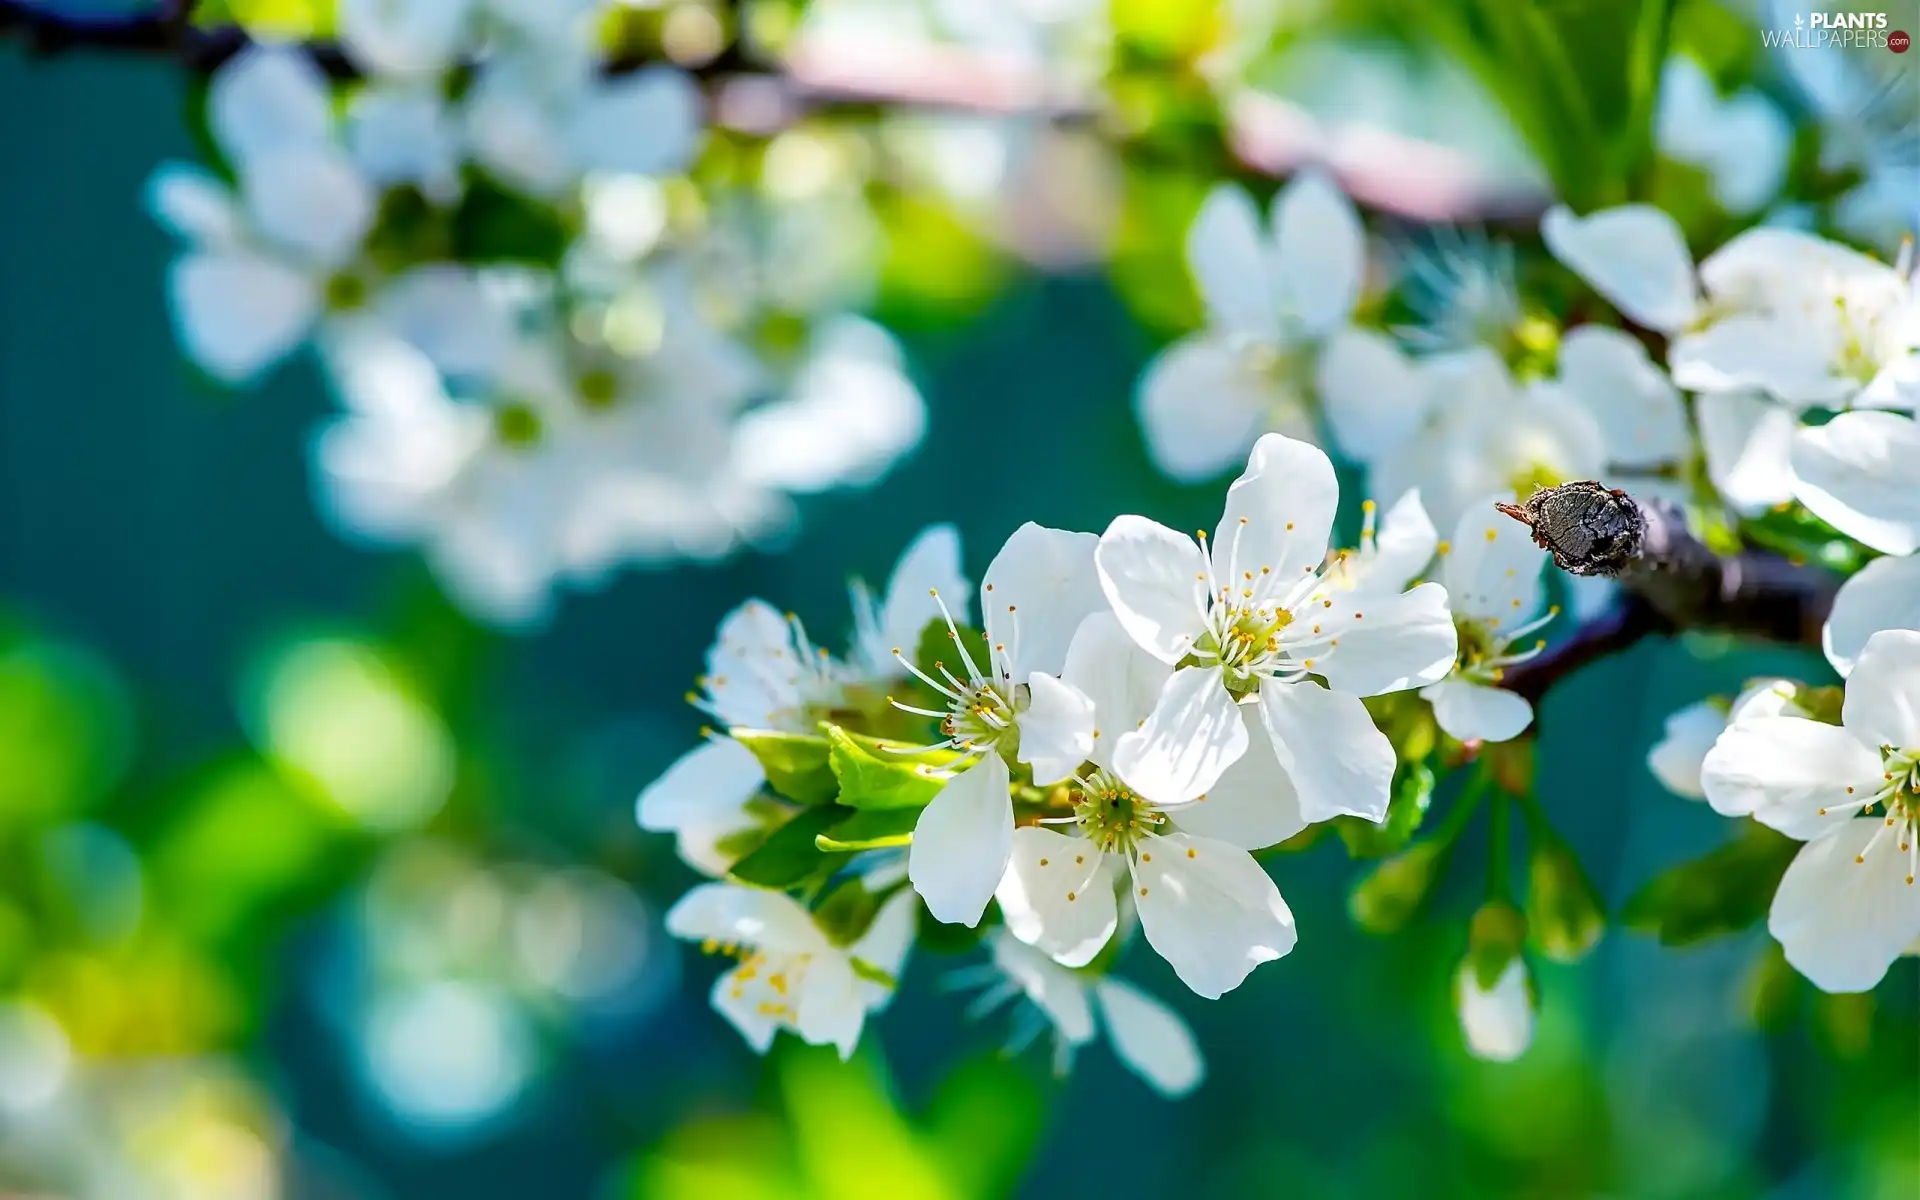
544 366
1132 717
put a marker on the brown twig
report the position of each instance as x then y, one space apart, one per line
1671 579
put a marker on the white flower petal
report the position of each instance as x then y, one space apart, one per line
1374 397
1470 711
1747 439
1636 406
1751 160
237 313
1328 745
1858 474
1405 544
1057 895
1796 775
312 202
405 135
1279 513
1150 1038
961 842
930 563
1209 910
1882 707
885 945
646 123
1689 734
1884 595
445 310
403 37
1842 922
703 796
1194 734
1056 729
268 99
730 999
1254 804
1228 258
831 1010
849 415
1749 350
752 669
1897 384
1057 991
1376 644
1036 592
1319 253
1122 680
1493 568
1202 402
1634 255
193 204
732 912
1498 1024
1156 581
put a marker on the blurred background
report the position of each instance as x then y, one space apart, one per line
312 885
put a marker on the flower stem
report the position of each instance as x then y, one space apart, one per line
1500 851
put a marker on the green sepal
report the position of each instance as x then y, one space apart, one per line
790 856
871 973
795 763
1406 808
871 775
1397 888
1718 893
1565 915
872 829
1494 940
847 912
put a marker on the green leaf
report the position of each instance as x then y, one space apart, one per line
871 829
1796 533
1406 809
795 763
1718 893
872 776
494 225
847 912
789 857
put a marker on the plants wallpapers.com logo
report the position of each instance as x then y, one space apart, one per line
1838 31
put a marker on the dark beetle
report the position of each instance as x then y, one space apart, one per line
1592 529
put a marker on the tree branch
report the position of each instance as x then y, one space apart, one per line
1267 136
1673 581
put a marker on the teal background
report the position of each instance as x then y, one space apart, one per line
169 526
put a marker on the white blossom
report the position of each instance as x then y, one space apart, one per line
1492 575
1884 594
764 673
1690 733
1857 473
1010 708
791 975
264 260
1271 296
1253 615
1497 1021
1205 905
1741 141
1847 906
1147 1035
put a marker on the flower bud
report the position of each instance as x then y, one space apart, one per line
1494 941
1497 1021
1564 913
1388 897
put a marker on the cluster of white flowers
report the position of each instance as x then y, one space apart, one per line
538 383
1147 709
